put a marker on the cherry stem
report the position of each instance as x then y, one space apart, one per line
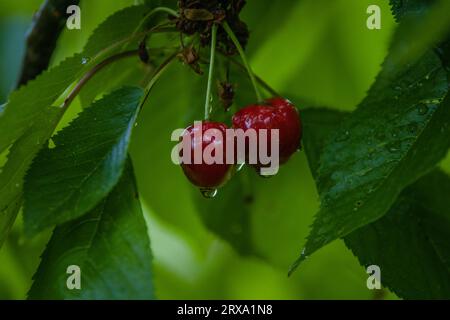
88 75
239 48
158 72
211 70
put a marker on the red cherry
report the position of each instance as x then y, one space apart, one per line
276 113
207 176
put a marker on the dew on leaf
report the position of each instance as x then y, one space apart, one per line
343 137
303 254
422 109
393 146
395 132
412 128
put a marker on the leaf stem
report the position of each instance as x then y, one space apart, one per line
151 13
211 70
243 57
88 75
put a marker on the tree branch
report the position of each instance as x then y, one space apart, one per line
47 25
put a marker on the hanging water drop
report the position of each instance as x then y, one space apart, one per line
84 60
208 193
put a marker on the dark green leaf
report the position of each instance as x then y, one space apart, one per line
68 180
110 245
400 8
410 238
410 243
398 133
417 34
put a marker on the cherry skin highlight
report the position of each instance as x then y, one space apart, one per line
275 113
203 175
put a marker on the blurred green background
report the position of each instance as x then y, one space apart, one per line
316 52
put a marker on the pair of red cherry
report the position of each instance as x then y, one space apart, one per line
274 113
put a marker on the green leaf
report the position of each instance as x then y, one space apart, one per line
126 72
418 32
410 238
20 157
68 180
23 118
123 30
410 243
26 103
401 8
398 133
110 245
117 27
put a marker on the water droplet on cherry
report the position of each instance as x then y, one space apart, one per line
208 193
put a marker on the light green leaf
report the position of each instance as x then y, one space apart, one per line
20 157
26 103
410 243
126 72
24 119
116 28
68 180
110 245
